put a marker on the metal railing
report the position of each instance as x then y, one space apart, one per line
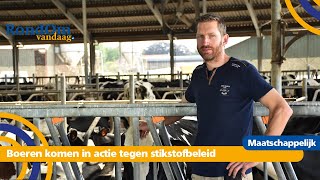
60 85
135 111
298 73
79 80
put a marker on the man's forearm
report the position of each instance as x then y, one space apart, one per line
171 119
278 120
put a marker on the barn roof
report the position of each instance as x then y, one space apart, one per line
130 20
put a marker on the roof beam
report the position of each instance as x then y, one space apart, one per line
294 39
235 21
78 5
196 5
70 4
152 35
155 11
253 17
135 13
180 14
7 36
70 16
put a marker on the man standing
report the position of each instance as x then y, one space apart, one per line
224 89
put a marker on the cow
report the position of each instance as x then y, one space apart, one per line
181 133
309 167
25 85
112 95
168 84
92 170
143 90
147 141
7 170
102 80
288 80
266 78
310 91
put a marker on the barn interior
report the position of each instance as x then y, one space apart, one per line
282 42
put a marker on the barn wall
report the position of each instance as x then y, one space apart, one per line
26 60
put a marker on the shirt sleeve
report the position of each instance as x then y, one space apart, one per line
190 91
258 87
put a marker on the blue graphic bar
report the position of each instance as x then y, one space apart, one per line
310 10
311 143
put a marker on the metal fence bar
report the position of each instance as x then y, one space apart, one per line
76 110
291 173
90 130
277 167
279 170
153 131
166 141
20 141
155 170
131 89
156 138
65 142
151 109
117 142
265 170
157 141
36 122
136 138
305 88
262 128
54 171
63 97
56 141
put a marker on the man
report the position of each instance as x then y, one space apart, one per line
224 89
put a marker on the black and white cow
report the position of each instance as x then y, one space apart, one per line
168 84
181 133
112 95
143 90
310 91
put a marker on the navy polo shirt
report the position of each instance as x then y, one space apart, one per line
224 107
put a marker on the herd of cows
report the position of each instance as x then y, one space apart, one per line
181 133
114 90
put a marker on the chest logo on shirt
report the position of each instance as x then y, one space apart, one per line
224 90
235 65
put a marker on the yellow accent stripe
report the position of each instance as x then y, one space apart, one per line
145 154
317 2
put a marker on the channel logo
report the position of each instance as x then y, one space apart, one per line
309 9
48 32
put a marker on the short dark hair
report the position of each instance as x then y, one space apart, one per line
211 17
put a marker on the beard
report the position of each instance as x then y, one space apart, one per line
215 52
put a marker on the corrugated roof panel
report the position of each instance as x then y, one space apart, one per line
16 13
34 12
51 11
41 1
35 23
4 13
234 11
264 12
